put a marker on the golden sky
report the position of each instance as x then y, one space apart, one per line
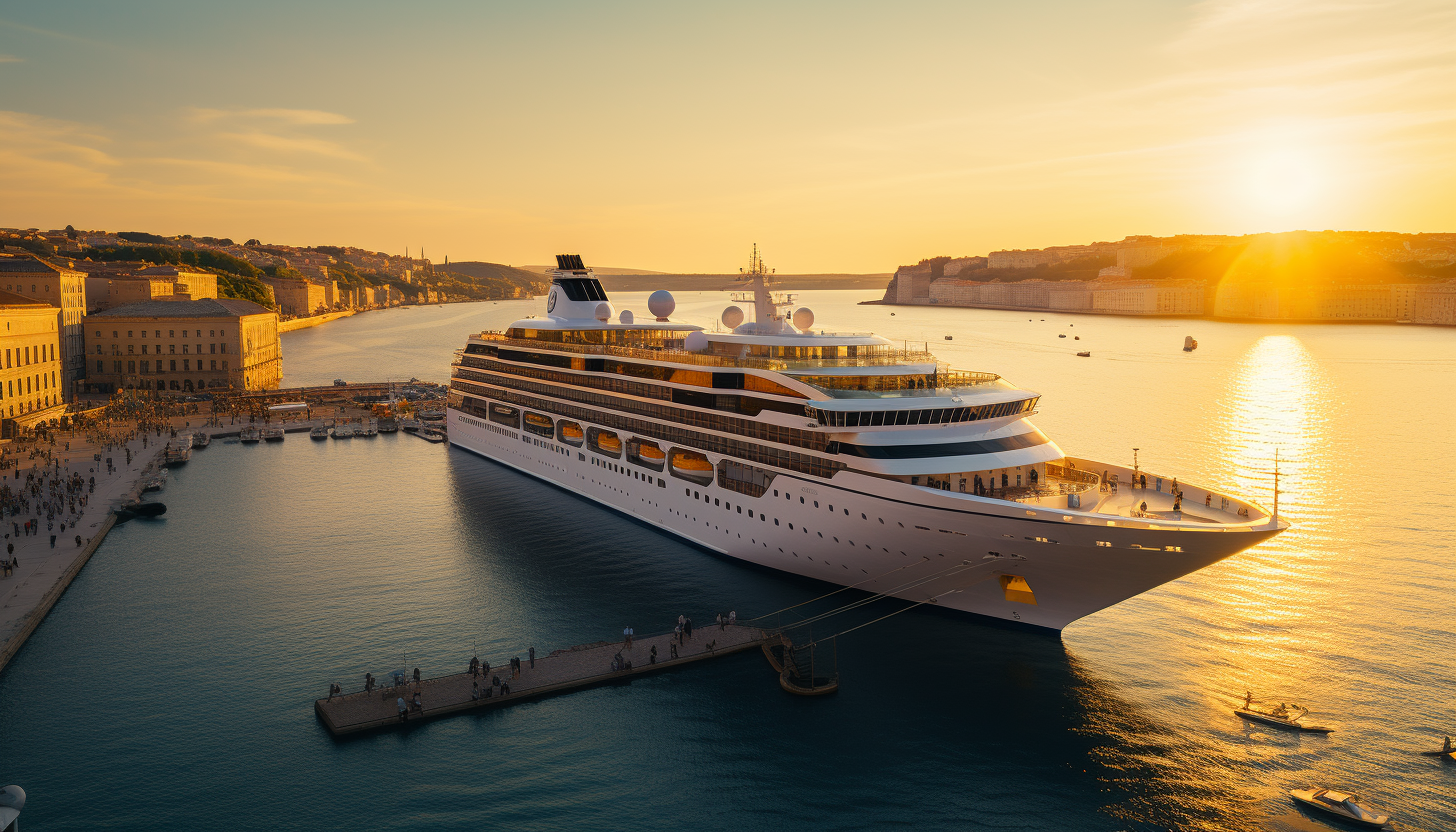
838 136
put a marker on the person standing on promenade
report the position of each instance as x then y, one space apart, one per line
403 709
533 658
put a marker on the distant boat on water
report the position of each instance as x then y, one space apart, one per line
1189 345
249 435
273 434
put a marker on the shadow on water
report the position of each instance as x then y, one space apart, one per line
1001 723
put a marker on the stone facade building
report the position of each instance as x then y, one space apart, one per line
65 290
31 370
184 346
298 298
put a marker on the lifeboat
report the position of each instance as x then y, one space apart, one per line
651 453
540 425
571 432
691 463
609 442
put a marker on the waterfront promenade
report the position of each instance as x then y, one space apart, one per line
44 572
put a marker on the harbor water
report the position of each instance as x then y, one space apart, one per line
171 687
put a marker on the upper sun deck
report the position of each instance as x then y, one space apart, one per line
581 320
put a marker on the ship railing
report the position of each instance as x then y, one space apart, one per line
888 358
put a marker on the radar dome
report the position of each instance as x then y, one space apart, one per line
625 317
696 341
661 304
604 312
732 317
804 318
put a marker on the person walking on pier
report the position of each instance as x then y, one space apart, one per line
732 616
417 677
403 709
627 638
652 656
532 652
688 629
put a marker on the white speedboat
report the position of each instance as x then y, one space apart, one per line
1282 717
1343 805
12 800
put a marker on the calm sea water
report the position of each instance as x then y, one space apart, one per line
171 687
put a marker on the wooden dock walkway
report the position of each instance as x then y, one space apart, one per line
563 670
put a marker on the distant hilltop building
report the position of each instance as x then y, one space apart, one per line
181 347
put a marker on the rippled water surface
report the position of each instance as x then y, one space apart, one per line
171 687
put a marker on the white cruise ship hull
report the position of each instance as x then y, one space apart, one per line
954 550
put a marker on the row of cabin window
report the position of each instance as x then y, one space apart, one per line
131 366
714 379
30 355
923 416
811 440
213 349
762 454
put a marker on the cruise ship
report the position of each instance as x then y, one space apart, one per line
842 457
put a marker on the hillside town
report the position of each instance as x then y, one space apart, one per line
1325 276
90 313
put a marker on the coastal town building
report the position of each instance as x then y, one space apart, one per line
298 298
174 347
1114 297
62 288
31 368
1435 304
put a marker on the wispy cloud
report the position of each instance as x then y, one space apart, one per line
10 59
203 115
287 144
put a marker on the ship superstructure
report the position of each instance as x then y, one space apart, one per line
839 456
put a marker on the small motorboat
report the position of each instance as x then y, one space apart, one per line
273 434
343 431
431 435
177 453
12 800
1343 805
388 425
320 432
1084 354
249 435
135 510
1282 717
1189 345
369 428
201 439
1062 335
948 338
1076 337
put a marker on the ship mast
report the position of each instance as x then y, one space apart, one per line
767 317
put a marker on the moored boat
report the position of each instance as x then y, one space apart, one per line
273 433
1343 805
249 435
201 439
177 453
344 431
320 432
